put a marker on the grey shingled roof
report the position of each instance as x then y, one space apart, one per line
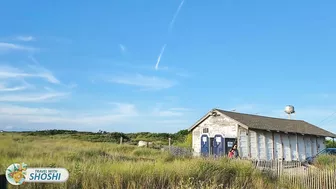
277 124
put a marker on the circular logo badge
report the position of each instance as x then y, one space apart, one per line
16 173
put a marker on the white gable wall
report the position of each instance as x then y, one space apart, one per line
216 125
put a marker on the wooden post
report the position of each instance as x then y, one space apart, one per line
238 140
317 145
3 182
265 145
121 140
273 146
248 143
169 142
305 147
311 146
297 148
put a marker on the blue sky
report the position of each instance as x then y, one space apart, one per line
90 66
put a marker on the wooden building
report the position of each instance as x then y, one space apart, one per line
257 137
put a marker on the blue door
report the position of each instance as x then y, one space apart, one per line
204 145
218 145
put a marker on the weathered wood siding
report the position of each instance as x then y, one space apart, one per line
266 145
269 145
243 143
278 151
216 125
308 145
320 143
292 144
314 145
302 148
286 147
253 144
262 145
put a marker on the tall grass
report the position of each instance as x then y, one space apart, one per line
326 162
105 165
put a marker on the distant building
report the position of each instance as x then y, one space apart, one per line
257 137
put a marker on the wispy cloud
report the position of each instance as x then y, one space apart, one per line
147 82
25 38
13 114
125 108
171 112
7 72
5 88
56 39
39 97
14 84
7 47
21 110
122 48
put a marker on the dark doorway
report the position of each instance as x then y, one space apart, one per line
229 142
211 145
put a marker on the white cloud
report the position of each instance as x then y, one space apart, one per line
125 108
171 112
122 48
39 97
120 114
7 47
46 74
7 72
20 110
25 38
146 82
16 91
6 86
13 114
72 85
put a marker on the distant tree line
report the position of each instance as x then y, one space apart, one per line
181 137
330 144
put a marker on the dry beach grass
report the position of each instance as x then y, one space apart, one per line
106 165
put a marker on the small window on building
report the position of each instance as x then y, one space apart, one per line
206 130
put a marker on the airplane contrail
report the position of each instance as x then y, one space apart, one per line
171 25
159 58
175 16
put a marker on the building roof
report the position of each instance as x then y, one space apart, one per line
276 124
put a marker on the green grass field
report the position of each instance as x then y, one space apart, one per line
106 165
